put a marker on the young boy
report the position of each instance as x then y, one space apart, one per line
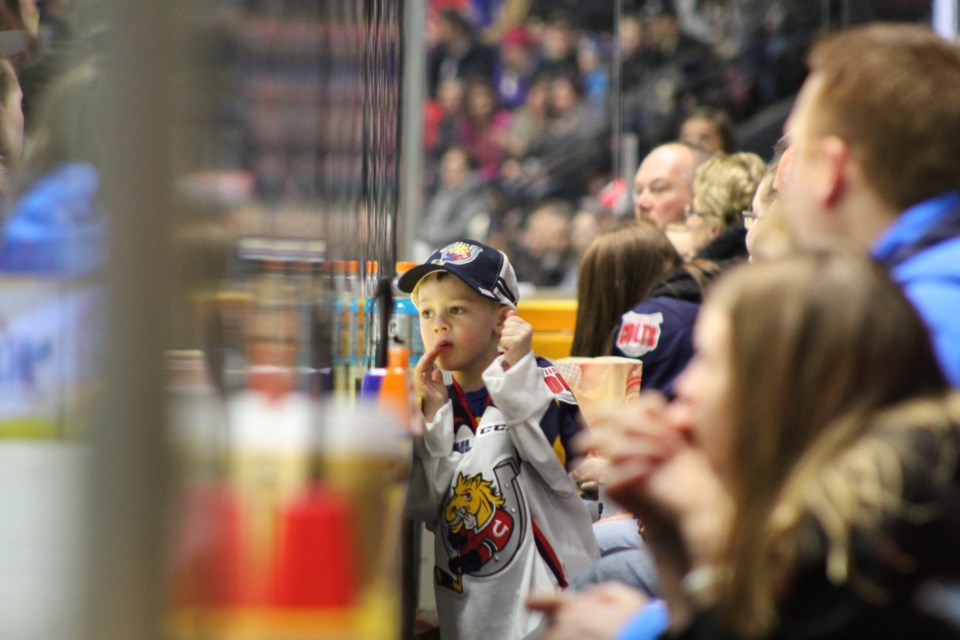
508 520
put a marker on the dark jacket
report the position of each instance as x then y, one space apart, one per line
659 330
728 248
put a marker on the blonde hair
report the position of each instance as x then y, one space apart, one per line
855 489
821 344
725 184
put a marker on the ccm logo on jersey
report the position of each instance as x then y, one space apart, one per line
558 385
490 428
640 333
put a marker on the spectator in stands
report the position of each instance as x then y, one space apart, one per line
723 189
528 124
662 187
443 118
462 205
457 54
543 255
594 74
619 269
677 73
710 129
768 234
442 128
484 128
591 220
659 329
876 161
725 26
558 46
762 201
573 145
592 15
633 58
637 299
514 70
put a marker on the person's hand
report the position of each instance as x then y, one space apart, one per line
635 438
598 613
589 474
428 383
656 473
515 338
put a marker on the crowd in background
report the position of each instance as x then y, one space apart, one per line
841 524
527 110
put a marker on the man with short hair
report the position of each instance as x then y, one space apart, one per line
875 132
663 185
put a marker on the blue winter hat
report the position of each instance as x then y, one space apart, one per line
484 269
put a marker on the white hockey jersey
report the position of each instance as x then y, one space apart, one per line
508 520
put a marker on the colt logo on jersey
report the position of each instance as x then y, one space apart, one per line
480 534
458 253
640 333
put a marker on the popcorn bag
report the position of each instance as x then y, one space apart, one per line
601 381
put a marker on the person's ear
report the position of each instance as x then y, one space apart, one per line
835 169
502 314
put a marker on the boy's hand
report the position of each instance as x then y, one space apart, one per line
428 383
515 338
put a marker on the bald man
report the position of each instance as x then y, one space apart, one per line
663 184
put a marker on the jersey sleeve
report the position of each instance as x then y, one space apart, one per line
434 465
562 421
524 398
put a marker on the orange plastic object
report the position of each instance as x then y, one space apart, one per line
395 388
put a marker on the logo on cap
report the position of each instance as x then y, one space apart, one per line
458 253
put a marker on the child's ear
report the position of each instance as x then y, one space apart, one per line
502 314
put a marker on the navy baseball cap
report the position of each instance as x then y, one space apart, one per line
484 269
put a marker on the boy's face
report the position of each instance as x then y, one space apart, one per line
466 325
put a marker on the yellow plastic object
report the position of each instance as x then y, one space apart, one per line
552 345
553 321
549 315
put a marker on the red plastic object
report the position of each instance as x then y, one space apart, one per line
315 566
